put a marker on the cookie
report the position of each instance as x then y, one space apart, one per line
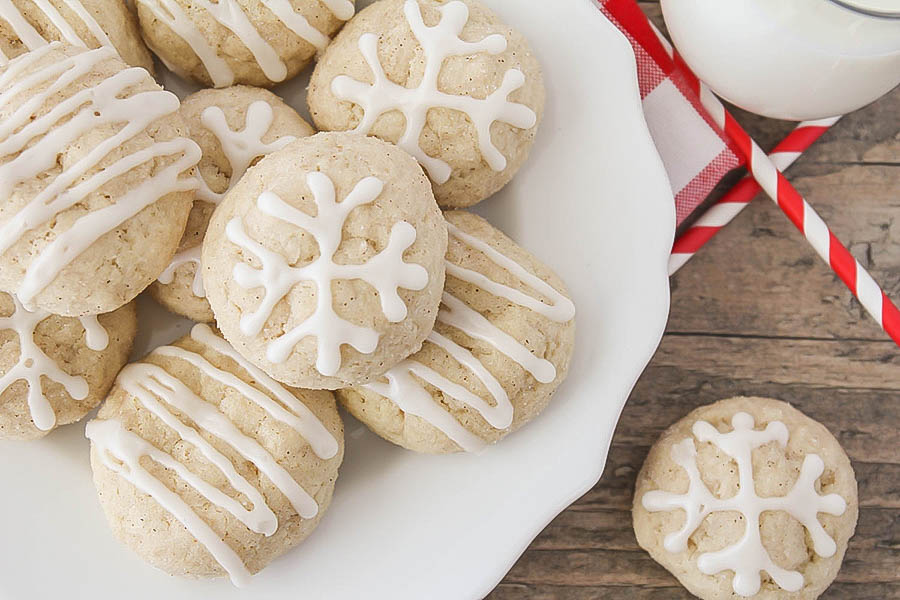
54 370
96 179
219 43
747 497
324 265
26 25
234 128
448 82
501 346
207 467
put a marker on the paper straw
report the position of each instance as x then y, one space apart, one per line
739 196
802 215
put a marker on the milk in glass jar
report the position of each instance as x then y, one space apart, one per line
790 59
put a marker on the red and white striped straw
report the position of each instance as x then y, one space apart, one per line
739 196
802 215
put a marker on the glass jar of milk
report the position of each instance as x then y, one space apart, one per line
790 59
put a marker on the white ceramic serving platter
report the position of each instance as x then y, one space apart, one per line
593 202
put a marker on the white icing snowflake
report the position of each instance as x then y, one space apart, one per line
241 147
34 364
438 43
386 272
748 557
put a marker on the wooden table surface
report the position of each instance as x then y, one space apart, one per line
756 312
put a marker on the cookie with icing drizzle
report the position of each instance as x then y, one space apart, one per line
54 370
448 82
96 179
234 128
324 264
501 346
28 24
747 497
207 467
220 43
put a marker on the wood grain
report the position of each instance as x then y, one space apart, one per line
757 313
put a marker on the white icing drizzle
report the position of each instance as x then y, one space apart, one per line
32 39
95 335
241 148
37 143
412 397
297 414
438 43
560 309
386 272
33 363
748 557
229 14
189 256
155 388
113 440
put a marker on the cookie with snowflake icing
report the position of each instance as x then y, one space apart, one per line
747 497
26 25
54 370
500 347
207 467
324 264
220 43
448 82
234 128
96 179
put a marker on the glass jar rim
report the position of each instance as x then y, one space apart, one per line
858 7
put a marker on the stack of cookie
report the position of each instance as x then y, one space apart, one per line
317 265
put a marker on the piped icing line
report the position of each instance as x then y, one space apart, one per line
148 383
241 148
412 397
282 405
38 142
438 43
20 26
458 314
120 451
189 256
170 13
33 364
560 309
385 271
157 390
32 39
95 335
748 557
230 15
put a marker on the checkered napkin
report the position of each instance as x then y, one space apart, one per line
695 152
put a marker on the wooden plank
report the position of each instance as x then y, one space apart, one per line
780 287
517 591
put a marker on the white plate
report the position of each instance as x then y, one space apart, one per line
593 202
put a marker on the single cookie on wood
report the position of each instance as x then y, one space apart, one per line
207 467
324 265
501 346
27 25
220 43
747 497
96 179
54 370
234 128
448 82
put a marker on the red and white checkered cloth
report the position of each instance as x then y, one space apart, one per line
695 152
